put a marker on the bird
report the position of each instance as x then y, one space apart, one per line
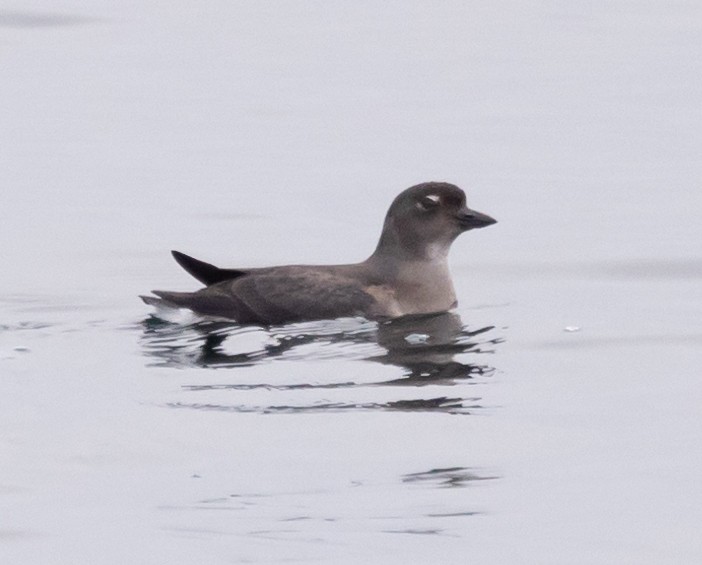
407 274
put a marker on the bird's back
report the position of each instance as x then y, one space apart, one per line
285 294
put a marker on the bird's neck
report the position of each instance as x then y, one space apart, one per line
421 284
402 245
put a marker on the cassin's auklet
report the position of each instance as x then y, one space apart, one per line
407 273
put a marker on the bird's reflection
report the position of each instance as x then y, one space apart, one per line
428 349
426 346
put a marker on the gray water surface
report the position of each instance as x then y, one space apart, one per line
554 417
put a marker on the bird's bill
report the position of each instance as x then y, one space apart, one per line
471 219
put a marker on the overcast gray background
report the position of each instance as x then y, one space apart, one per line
257 133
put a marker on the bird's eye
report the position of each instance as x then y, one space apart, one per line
428 202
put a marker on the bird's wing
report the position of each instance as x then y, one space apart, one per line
286 294
204 272
280 295
304 295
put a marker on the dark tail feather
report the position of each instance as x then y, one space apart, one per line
166 299
166 310
177 299
217 304
204 272
151 300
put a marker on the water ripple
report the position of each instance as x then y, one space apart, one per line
427 351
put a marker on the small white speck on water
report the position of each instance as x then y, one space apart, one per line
416 338
572 329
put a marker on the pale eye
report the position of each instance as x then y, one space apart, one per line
428 202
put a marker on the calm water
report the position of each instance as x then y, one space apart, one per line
553 418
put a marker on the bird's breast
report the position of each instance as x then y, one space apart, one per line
417 289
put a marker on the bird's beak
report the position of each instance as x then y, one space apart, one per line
470 219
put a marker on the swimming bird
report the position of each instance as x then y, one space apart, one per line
407 273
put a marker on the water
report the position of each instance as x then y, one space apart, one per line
553 418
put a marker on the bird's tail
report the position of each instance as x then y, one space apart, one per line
169 306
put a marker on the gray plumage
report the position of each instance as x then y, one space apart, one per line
407 274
